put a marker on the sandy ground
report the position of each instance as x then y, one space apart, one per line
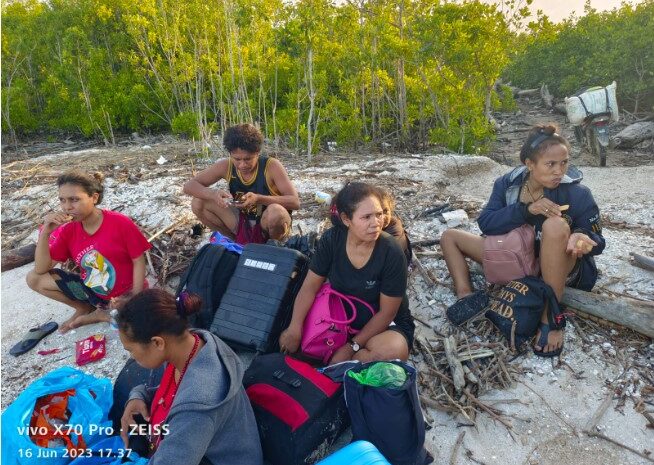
549 405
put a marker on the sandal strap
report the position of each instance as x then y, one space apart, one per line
544 335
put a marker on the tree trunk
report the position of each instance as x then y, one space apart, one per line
487 104
274 108
312 98
631 313
401 85
548 100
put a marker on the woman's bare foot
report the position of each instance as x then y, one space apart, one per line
550 344
67 325
96 316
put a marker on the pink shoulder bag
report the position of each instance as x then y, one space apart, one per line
327 327
510 256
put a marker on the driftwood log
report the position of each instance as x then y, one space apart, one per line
633 134
18 257
642 261
527 93
633 314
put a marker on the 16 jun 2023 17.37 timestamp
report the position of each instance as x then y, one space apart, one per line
45 453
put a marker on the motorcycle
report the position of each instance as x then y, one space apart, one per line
590 111
593 133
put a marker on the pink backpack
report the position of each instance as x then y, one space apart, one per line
326 327
510 256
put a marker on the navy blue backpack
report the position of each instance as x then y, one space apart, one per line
372 409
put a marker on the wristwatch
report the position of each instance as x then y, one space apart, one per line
355 346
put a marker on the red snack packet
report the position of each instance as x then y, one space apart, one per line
91 349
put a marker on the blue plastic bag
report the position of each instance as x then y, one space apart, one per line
89 408
109 451
218 239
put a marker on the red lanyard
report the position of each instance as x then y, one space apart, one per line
156 439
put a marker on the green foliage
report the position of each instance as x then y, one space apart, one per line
186 124
405 72
503 99
595 49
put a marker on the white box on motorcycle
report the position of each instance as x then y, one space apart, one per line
592 102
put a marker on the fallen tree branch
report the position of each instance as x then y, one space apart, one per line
455 449
633 314
591 428
624 446
18 257
456 368
427 242
166 229
474 400
641 261
428 275
574 430
591 425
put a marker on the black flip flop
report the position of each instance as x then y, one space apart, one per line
542 342
32 338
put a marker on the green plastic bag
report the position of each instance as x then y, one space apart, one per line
381 374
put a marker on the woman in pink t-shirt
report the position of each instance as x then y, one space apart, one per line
107 247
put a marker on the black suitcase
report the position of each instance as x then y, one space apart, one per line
208 276
300 412
258 303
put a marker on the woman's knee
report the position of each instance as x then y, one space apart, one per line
556 228
32 280
276 211
35 281
197 206
449 236
449 241
393 346
275 215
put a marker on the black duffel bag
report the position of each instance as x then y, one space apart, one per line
300 412
388 417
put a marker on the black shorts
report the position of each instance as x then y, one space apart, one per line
73 287
406 327
583 275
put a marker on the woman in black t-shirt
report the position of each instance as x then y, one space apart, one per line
360 260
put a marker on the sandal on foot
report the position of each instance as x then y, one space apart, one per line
32 338
467 307
542 342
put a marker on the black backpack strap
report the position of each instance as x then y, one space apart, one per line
415 403
189 270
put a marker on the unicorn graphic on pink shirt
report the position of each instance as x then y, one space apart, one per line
100 273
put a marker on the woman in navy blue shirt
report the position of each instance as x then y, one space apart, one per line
567 238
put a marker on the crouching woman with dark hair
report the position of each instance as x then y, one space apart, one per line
107 247
360 260
546 194
200 409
